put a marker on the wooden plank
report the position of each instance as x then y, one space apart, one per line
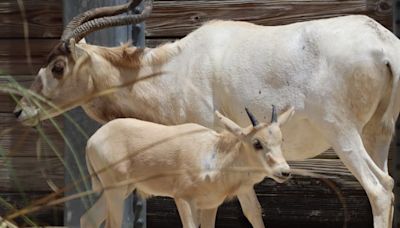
13 59
19 141
300 202
322 202
44 18
7 103
306 200
27 174
51 216
177 18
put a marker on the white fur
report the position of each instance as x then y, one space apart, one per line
197 166
341 74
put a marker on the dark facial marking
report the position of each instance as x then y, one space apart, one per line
59 49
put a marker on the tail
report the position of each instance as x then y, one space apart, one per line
393 108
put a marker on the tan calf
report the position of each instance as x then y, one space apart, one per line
195 165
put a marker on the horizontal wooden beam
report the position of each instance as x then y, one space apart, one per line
49 216
177 18
13 55
28 174
43 18
19 141
300 202
7 102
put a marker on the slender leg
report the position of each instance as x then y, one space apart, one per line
196 213
378 184
115 207
251 208
185 213
377 142
95 215
208 218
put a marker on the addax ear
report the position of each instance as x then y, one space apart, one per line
230 125
76 51
284 117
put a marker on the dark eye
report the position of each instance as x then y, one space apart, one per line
257 145
58 69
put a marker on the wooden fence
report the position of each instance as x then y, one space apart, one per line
24 177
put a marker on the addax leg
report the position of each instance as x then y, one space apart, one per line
208 218
378 184
185 213
196 213
377 140
115 207
251 208
95 215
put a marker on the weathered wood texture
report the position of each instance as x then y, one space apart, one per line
44 18
169 19
301 202
13 55
15 178
19 141
44 217
24 176
177 18
7 102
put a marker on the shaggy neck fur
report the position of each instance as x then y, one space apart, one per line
132 57
125 66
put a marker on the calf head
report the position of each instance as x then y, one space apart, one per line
262 142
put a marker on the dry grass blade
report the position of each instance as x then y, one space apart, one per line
6 224
38 204
26 34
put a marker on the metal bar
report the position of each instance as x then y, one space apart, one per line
74 209
139 205
396 157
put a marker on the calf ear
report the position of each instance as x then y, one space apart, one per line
284 117
230 125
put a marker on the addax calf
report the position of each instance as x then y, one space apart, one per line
195 165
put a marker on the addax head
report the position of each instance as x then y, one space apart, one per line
263 142
63 83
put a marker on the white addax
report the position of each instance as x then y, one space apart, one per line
340 74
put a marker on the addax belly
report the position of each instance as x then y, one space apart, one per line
302 140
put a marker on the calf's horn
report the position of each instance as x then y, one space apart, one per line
251 117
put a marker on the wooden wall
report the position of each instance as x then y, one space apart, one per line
23 176
300 201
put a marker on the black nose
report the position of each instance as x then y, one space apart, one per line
18 113
286 174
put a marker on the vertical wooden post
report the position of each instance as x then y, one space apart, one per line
139 205
108 37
